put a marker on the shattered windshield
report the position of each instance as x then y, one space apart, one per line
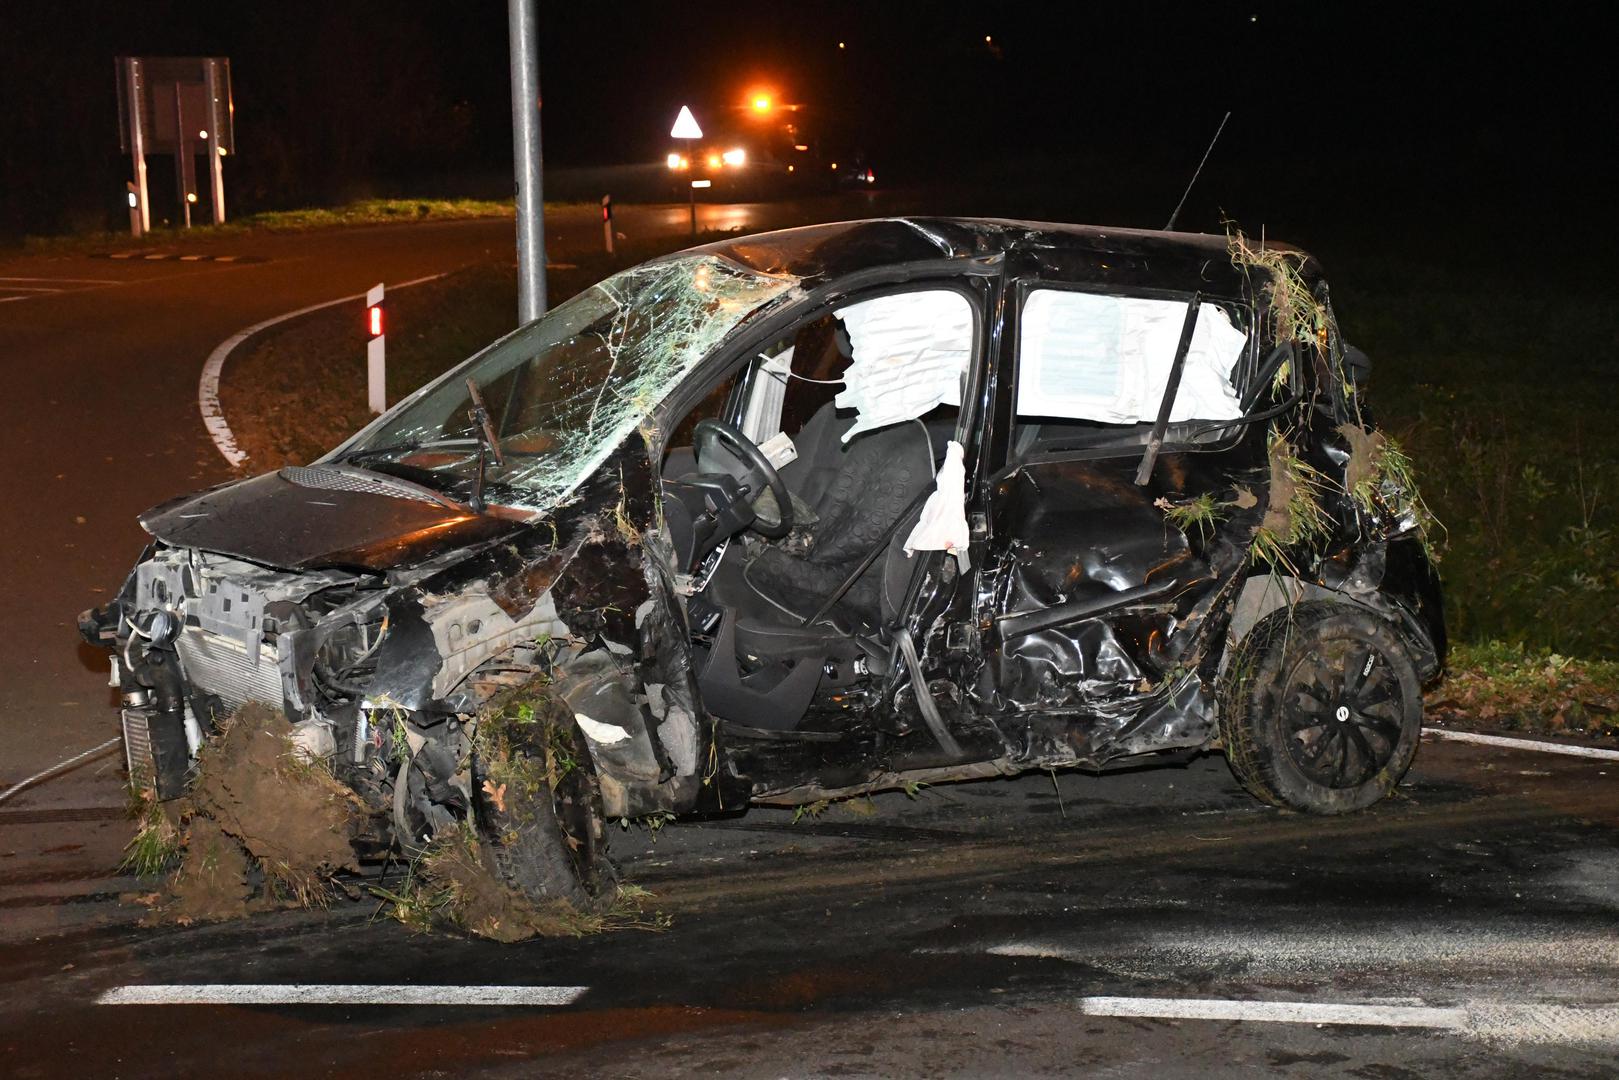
565 390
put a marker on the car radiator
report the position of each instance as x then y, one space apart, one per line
223 666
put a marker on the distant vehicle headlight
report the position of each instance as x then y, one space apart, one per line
675 161
735 156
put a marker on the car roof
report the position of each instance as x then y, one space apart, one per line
821 253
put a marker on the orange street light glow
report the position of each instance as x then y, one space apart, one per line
761 103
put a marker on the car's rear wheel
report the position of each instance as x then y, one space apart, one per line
1321 708
540 812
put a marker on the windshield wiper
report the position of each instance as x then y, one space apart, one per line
488 444
408 446
1155 441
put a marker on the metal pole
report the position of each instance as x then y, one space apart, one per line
526 160
137 146
691 196
182 154
216 163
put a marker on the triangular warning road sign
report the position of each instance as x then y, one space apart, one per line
685 125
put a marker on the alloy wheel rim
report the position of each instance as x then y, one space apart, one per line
1343 710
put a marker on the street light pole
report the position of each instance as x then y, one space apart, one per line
526 160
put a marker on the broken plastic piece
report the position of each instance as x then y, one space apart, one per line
943 524
1086 356
910 352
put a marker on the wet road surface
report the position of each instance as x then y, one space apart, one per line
967 932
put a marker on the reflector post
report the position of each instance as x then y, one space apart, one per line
376 356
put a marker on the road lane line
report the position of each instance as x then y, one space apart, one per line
1523 744
337 994
69 280
213 417
1283 1012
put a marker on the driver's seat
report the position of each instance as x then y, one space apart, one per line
859 491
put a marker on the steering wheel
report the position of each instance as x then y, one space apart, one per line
759 474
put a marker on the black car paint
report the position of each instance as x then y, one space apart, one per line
1130 673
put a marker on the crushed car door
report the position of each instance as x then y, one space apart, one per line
1092 580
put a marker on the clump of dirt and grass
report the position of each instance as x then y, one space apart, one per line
1295 313
261 828
455 884
1294 515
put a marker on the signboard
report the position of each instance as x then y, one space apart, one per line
178 105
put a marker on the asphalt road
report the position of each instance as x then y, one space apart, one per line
967 932
977 930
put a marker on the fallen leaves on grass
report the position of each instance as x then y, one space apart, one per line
1505 686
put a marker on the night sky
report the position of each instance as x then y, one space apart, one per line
1467 118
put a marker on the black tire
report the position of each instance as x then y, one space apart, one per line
1321 708
549 844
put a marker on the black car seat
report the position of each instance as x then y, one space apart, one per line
860 492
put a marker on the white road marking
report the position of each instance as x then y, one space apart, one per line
1284 1012
68 280
1492 1021
213 417
337 994
41 288
1523 744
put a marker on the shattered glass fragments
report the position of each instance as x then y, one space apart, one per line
564 391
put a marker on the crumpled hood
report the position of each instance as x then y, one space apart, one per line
323 516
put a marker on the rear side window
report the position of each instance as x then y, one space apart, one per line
1092 368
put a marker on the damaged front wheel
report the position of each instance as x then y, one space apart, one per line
1321 709
539 809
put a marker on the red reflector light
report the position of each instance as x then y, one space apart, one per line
375 316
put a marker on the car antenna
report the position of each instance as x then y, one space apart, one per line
1171 223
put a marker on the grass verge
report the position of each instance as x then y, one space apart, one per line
1515 689
360 212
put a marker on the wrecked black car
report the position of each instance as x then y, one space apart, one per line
813 513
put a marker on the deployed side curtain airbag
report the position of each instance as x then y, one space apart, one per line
1086 356
910 351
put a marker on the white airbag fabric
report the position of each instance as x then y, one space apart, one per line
943 524
1089 357
910 351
